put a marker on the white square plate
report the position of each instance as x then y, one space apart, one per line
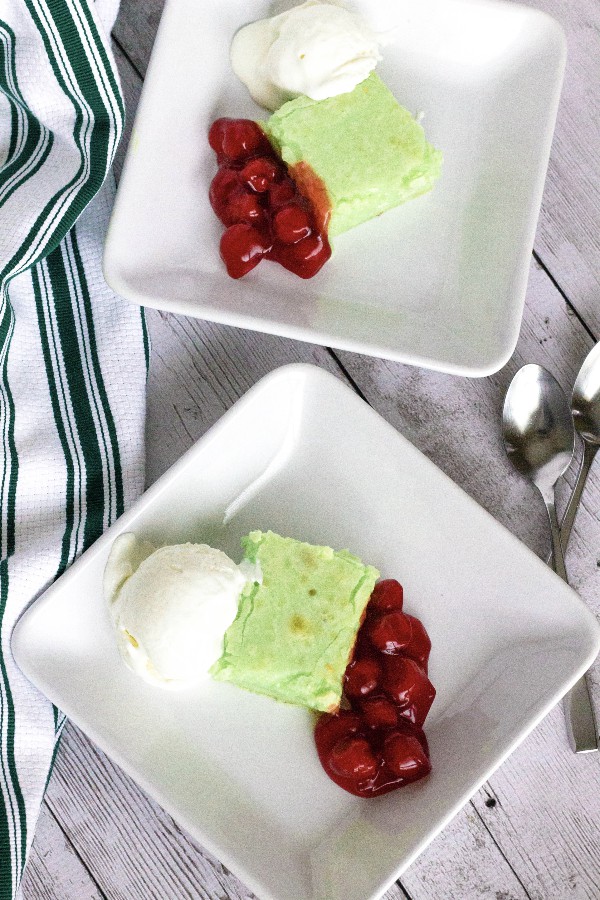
303 455
439 282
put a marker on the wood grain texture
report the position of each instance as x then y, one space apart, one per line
464 862
131 84
137 850
198 371
135 30
533 831
568 235
547 815
54 870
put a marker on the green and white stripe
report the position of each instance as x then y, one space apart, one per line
30 140
72 47
73 357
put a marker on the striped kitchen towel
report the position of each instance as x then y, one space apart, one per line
73 357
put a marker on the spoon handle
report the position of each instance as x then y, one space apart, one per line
589 452
558 557
579 718
579 712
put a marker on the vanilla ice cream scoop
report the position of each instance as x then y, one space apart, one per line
170 607
316 49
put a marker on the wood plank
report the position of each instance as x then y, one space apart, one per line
547 814
568 235
135 29
463 864
54 871
198 371
138 851
131 84
549 798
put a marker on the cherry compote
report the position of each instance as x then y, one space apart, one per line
378 744
261 206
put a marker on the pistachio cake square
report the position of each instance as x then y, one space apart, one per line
295 630
367 150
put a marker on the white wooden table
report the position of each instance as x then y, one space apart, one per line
534 830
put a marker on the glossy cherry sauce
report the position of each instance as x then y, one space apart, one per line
267 213
378 744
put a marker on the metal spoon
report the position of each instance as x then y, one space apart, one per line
539 438
585 406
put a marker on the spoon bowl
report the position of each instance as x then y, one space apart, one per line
537 428
585 407
585 402
539 437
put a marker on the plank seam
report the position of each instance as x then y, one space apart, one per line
346 374
562 293
499 848
403 889
122 49
183 424
74 849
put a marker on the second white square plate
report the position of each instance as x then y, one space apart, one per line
439 282
303 455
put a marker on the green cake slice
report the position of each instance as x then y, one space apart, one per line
368 151
294 632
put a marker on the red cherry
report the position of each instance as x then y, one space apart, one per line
363 647
379 745
405 756
387 595
242 139
306 257
253 188
308 248
237 139
260 173
281 193
215 136
390 632
291 224
222 186
405 682
242 206
332 728
378 712
362 677
242 248
419 646
352 757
